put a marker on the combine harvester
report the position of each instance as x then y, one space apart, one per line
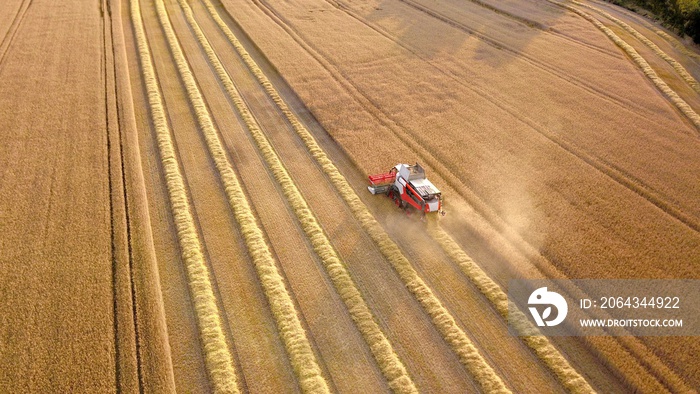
409 188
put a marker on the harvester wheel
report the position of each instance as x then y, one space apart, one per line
392 192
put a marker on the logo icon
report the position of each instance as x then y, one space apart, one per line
543 297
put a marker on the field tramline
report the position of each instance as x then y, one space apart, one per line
469 355
391 366
569 377
301 355
219 360
681 104
184 205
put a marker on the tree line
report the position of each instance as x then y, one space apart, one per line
680 15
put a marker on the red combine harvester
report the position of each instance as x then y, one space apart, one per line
409 188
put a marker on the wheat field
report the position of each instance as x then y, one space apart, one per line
183 201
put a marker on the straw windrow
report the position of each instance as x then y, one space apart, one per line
677 44
219 362
469 356
641 63
684 74
542 347
289 325
389 363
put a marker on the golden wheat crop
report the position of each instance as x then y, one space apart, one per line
390 364
468 354
219 362
643 65
692 82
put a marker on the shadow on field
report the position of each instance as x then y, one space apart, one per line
493 35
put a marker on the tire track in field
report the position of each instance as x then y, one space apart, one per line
539 26
9 37
543 349
219 361
643 65
152 348
114 243
15 20
314 149
615 173
128 376
522 20
537 259
509 15
418 147
391 366
680 70
623 103
620 102
344 7
289 325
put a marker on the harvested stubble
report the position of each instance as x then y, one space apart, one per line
289 326
677 44
669 38
641 63
154 353
391 366
542 347
469 356
692 82
219 362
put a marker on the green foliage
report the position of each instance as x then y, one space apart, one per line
690 9
681 15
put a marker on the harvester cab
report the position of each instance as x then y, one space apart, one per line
409 188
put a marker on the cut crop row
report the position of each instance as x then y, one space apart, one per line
383 352
692 82
293 335
469 356
641 63
542 347
219 362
